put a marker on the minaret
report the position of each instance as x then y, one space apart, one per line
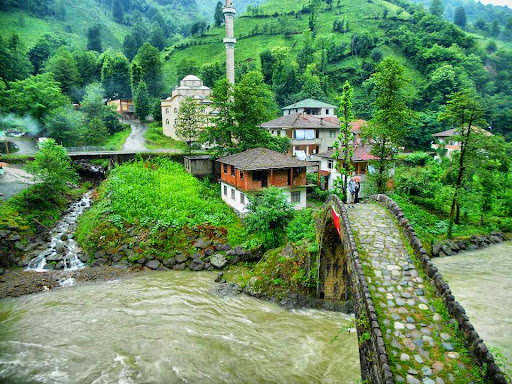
230 41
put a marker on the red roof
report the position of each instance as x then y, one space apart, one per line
361 153
325 173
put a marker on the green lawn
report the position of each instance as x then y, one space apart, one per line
115 142
157 140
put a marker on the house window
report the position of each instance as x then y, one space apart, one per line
242 198
232 171
167 121
225 168
233 193
296 172
225 190
330 164
166 110
327 111
296 197
175 110
241 175
332 133
175 122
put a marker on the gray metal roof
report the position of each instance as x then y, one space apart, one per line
262 158
310 103
300 121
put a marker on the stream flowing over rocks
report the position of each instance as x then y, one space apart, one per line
62 251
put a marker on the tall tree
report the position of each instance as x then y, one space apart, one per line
136 76
219 15
66 126
115 76
254 103
342 144
221 132
94 39
142 101
495 29
117 11
460 17
63 66
130 46
35 96
96 131
87 65
157 37
436 8
189 122
14 62
392 118
463 111
150 61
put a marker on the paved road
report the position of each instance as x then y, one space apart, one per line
136 141
13 181
421 344
26 146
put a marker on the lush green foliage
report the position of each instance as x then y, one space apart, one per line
242 109
189 122
425 188
342 145
156 138
52 167
269 214
392 118
160 193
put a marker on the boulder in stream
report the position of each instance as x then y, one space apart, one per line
218 261
153 264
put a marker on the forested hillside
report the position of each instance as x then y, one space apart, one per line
488 20
73 20
309 49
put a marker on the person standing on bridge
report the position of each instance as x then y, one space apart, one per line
357 189
352 191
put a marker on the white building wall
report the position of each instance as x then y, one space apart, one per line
327 138
236 202
240 207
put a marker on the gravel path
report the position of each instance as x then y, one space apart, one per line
418 341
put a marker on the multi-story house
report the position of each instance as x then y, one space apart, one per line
246 173
311 126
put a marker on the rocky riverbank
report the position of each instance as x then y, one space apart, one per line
18 282
452 247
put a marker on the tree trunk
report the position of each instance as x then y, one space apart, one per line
460 175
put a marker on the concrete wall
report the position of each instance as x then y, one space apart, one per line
474 343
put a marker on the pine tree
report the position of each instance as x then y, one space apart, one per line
460 17
97 132
495 30
219 15
94 39
142 101
436 8
117 11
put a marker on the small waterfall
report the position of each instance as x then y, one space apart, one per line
63 252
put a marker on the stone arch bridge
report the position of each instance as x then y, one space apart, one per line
410 327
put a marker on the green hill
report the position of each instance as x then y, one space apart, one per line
71 19
348 40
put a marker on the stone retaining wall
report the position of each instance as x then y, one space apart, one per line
372 352
474 343
449 248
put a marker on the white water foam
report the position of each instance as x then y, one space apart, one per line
59 250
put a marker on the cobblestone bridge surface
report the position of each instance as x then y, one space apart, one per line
421 344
